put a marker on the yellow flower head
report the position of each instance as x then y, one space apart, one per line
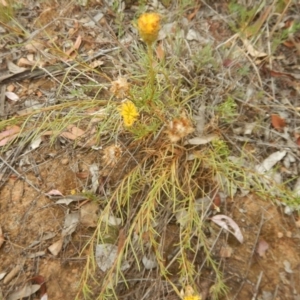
149 26
189 294
192 298
129 113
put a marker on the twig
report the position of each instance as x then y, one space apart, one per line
20 176
257 285
2 100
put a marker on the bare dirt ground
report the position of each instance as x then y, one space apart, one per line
266 266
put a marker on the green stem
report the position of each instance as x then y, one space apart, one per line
151 69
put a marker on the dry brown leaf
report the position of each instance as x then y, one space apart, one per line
226 223
55 248
96 63
42 282
9 134
277 122
24 291
72 51
24 62
252 51
12 96
14 68
9 131
13 273
73 133
54 193
34 46
89 214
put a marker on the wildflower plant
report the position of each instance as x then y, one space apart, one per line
149 26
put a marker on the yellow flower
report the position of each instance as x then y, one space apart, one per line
129 113
149 26
189 294
192 298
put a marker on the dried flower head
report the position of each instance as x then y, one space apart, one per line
111 155
149 26
129 113
179 128
120 87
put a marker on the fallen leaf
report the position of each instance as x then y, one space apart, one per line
223 221
70 198
42 282
270 161
55 248
106 254
2 275
35 143
110 219
252 51
73 133
23 292
75 46
149 263
182 217
24 62
12 96
13 273
14 68
262 247
36 254
9 131
89 214
287 267
71 221
5 141
267 295
54 193
277 122
96 63
202 140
